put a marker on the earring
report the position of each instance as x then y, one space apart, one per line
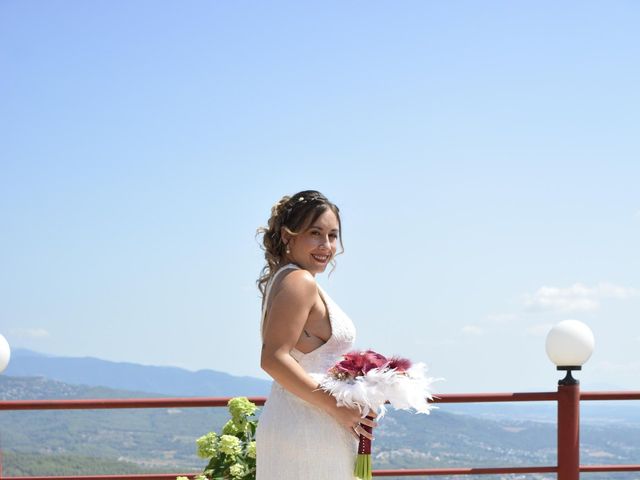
287 250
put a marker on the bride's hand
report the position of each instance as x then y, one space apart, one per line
352 419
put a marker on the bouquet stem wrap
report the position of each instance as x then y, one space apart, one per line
363 460
364 447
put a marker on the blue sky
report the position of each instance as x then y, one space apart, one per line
485 157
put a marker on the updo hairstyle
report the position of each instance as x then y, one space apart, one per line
296 213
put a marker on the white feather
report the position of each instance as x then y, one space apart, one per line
403 391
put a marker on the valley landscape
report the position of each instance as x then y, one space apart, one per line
163 440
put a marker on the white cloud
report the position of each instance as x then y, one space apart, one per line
539 330
609 290
30 332
472 330
577 297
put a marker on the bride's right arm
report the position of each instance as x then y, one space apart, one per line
287 316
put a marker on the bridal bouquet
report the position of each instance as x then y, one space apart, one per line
367 380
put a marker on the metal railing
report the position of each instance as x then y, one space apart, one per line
567 396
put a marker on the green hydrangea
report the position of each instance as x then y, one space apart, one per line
230 445
207 445
233 427
232 454
236 471
241 407
251 449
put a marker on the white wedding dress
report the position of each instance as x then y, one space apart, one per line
296 440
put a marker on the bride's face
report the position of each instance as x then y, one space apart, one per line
316 246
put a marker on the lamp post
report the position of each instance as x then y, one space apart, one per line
569 345
5 356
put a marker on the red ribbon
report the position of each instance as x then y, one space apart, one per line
364 447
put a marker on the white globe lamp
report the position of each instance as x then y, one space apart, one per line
5 353
569 345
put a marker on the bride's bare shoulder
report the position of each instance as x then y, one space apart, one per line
297 283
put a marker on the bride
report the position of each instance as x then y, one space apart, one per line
302 433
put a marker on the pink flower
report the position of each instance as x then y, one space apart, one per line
373 360
399 364
357 364
350 366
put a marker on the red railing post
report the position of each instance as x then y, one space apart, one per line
568 431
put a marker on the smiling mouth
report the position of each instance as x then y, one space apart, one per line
321 258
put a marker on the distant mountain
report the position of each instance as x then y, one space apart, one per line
175 381
41 388
591 412
130 376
